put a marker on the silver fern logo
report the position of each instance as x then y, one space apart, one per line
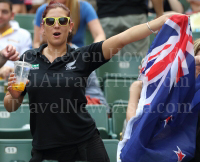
71 65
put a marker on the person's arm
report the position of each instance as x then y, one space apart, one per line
8 53
38 18
12 99
36 37
176 6
5 71
112 45
2 59
96 30
158 7
90 17
195 5
134 97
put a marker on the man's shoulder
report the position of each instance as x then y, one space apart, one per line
23 32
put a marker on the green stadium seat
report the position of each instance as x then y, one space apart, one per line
118 117
26 99
186 4
88 38
15 133
116 89
15 150
111 148
195 35
16 119
20 150
152 36
57 161
2 94
32 33
151 17
25 21
123 65
11 123
99 114
120 102
103 133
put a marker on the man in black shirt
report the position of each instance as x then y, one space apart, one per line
118 16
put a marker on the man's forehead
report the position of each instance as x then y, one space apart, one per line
4 6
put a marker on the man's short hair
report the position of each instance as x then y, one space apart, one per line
7 1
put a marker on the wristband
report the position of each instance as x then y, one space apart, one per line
155 32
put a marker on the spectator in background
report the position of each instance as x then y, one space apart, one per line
11 33
118 16
33 5
194 6
93 3
169 5
18 6
83 14
197 152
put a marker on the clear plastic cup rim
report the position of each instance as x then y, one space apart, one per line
26 64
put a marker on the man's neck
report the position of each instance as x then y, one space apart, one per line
3 29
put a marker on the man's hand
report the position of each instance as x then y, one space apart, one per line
10 53
5 71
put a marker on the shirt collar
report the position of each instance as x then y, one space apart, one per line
14 25
66 56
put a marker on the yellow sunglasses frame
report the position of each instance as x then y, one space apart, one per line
56 19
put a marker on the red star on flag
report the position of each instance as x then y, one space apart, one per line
179 154
167 120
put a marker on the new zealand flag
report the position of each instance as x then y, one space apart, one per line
164 128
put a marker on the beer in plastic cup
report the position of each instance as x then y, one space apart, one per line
21 70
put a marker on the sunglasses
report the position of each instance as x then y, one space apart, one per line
50 21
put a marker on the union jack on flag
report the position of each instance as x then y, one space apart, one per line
164 128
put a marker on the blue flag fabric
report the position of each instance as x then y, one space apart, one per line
164 128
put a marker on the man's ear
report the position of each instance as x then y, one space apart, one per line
12 16
71 26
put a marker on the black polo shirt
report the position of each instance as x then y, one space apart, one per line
57 95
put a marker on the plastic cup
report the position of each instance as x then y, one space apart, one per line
21 70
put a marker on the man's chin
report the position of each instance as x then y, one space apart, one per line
2 26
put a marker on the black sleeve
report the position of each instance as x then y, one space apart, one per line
93 55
